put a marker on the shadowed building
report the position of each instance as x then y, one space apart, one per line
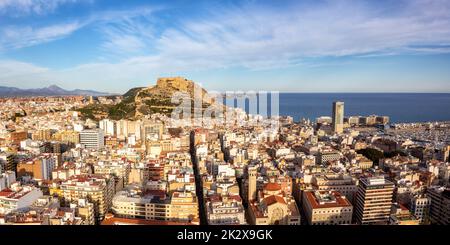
373 201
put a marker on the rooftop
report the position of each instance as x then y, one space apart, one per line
375 181
124 221
325 199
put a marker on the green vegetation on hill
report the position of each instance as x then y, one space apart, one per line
144 101
127 107
122 110
132 93
91 111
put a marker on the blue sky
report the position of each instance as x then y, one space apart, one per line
305 46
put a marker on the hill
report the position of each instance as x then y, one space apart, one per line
141 101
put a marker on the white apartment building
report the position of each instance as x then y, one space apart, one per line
7 179
92 138
48 163
108 127
18 198
420 207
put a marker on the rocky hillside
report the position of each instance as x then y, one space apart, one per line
138 102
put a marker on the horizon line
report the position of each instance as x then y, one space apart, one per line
265 90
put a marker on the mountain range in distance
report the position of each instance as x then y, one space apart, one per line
52 90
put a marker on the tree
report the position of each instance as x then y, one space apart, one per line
372 154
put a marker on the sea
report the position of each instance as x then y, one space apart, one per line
400 107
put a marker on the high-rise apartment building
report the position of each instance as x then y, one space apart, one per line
338 117
7 162
42 135
420 207
152 130
98 188
120 170
7 179
68 136
108 127
440 205
39 168
85 210
373 201
92 138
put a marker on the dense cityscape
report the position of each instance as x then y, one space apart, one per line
64 163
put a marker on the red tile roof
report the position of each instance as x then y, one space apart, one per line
274 199
5 192
272 187
340 201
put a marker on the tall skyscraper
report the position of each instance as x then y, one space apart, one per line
373 201
252 173
338 117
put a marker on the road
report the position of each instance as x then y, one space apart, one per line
198 181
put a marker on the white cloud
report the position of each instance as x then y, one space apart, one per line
20 36
128 35
249 38
252 37
266 38
21 74
25 7
14 37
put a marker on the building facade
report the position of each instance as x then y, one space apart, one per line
326 208
373 201
92 138
97 189
338 117
440 205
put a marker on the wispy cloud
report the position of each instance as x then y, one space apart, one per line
263 38
21 36
128 36
249 36
14 37
18 8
